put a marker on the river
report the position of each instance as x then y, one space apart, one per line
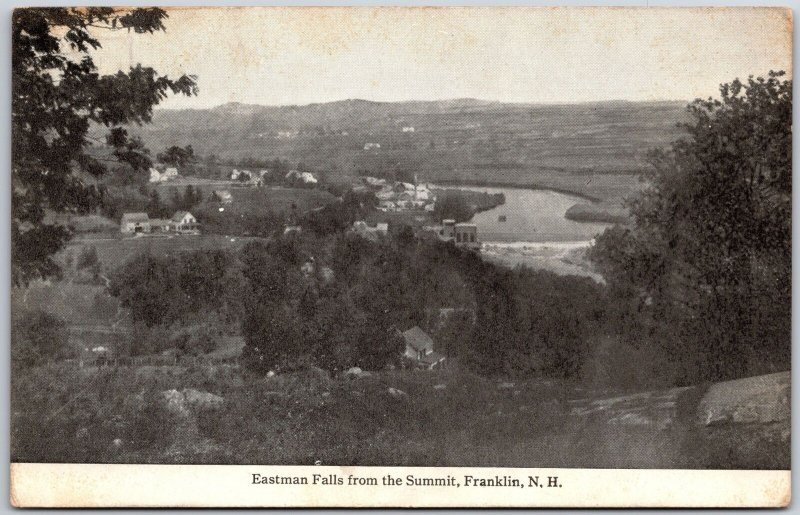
535 232
531 216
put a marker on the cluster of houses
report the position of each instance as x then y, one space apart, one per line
368 231
302 177
401 196
182 222
160 172
261 177
252 178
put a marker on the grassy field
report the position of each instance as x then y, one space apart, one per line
414 418
113 252
277 199
559 146
79 304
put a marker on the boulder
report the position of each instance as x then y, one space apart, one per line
201 400
761 399
356 373
353 372
175 403
397 394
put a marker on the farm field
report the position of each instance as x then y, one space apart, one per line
113 252
276 199
569 147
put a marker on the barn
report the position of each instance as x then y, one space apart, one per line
135 223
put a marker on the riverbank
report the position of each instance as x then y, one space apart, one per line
561 258
601 187
598 212
453 183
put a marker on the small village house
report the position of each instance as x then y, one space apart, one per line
161 173
185 222
370 232
419 349
304 177
466 235
135 223
462 234
182 222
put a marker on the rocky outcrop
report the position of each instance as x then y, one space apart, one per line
745 423
762 399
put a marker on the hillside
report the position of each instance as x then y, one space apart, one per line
465 139
216 414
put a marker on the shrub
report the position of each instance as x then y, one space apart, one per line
195 340
149 424
38 336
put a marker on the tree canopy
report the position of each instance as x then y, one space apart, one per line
57 97
177 156
709 250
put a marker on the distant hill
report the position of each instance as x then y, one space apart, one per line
461 139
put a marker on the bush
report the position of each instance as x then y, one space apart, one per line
452 205
195 340
149 424
36 337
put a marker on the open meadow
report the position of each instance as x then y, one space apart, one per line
115 251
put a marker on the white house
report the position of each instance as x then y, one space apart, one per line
374 182
238 175
369 232
155 175
305 177
185 222
372 146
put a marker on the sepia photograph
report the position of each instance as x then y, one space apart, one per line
486 241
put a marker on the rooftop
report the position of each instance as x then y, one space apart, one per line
135 217
418 339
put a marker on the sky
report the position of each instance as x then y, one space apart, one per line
301 55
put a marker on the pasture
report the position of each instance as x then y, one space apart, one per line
276 199
113 252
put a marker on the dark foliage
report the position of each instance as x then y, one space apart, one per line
55 98
177 156
162 290
451 205
705 268
37 337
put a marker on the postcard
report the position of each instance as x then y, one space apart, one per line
401 257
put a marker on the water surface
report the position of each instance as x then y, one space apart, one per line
531 216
